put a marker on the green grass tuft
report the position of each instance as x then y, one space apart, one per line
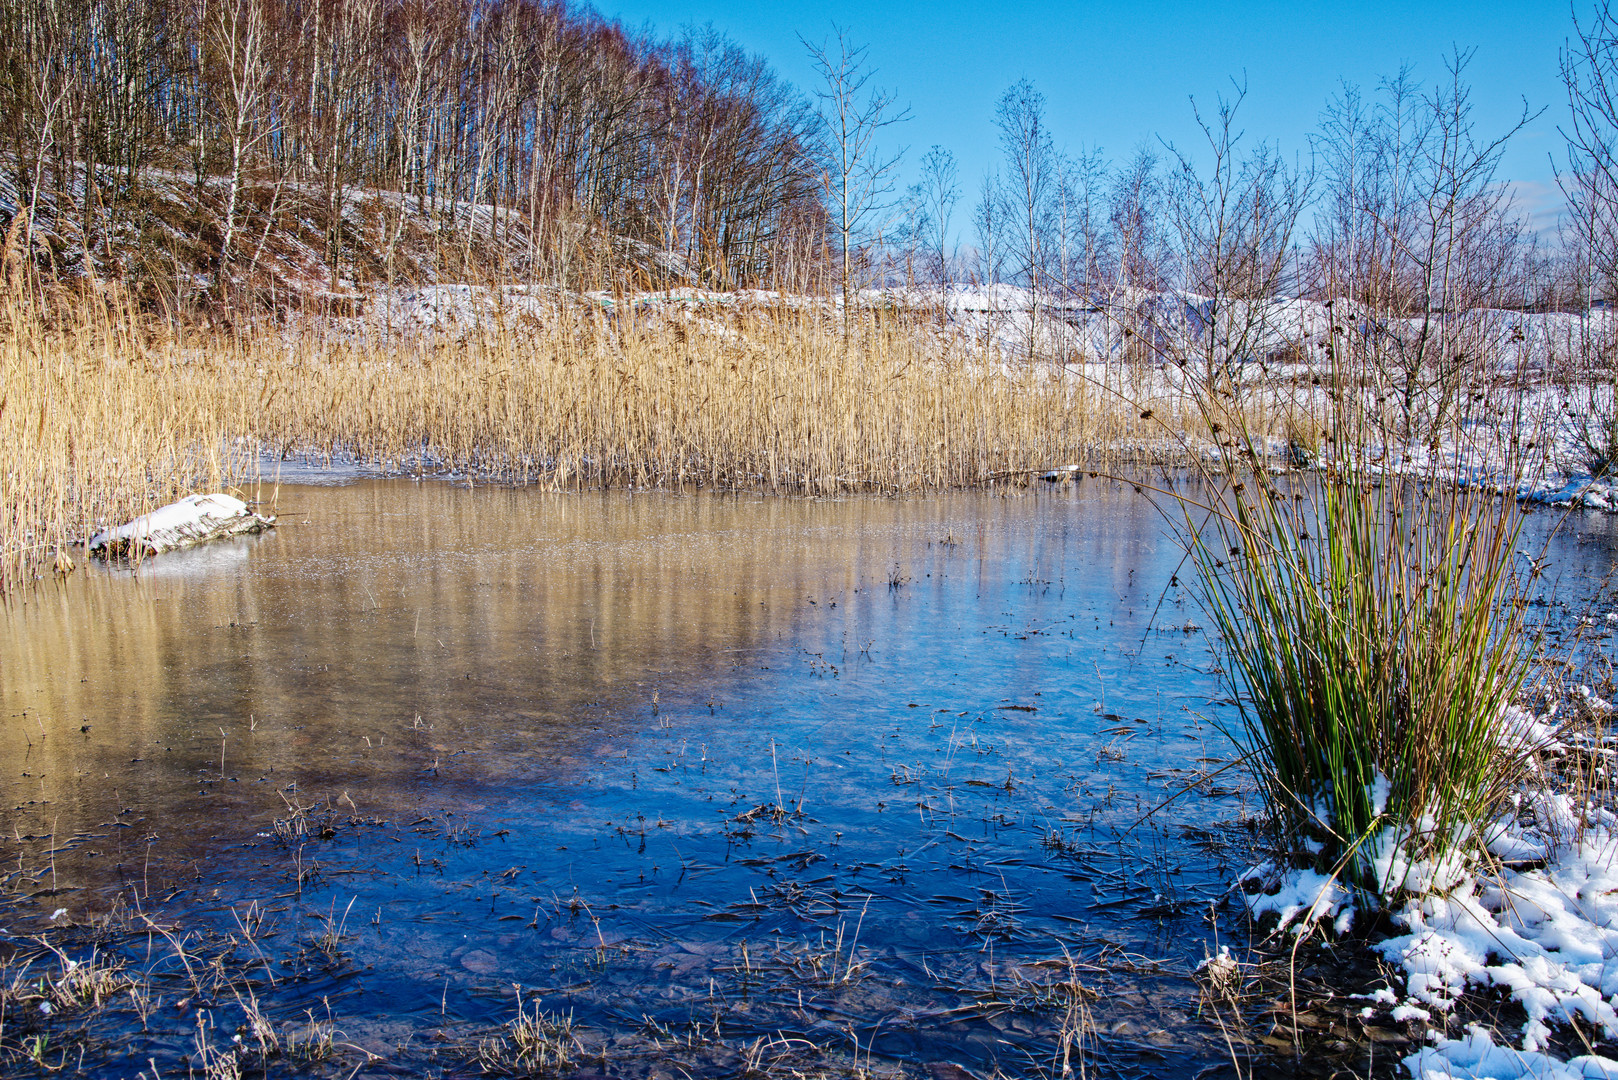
1374 638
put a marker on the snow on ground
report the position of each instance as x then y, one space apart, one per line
457 311
1540 927
1476 1057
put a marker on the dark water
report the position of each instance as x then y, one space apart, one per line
740 785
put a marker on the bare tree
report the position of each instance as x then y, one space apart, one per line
1135 258
1030 168
934 196
1235 221
989 222
1076 223
1141 256
859 175
1416 229
1590 232
337 46
38 83
1589 69
239 36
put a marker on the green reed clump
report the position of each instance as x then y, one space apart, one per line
1373 634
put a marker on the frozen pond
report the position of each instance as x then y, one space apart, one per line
739 784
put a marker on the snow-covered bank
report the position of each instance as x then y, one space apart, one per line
1536 922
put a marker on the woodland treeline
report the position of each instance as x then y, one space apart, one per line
534 140
577 134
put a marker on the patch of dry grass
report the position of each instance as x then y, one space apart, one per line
106 413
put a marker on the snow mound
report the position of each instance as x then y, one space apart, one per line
192 520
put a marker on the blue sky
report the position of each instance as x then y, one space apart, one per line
1117 74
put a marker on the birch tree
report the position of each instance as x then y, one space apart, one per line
1030 159
239 36
859 175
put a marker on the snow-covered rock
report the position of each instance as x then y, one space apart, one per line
192 520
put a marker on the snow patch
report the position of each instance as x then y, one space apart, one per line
1476 1057
1304 898
1542 925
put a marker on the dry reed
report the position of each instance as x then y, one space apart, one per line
106 413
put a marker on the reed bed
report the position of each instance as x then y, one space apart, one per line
106 413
